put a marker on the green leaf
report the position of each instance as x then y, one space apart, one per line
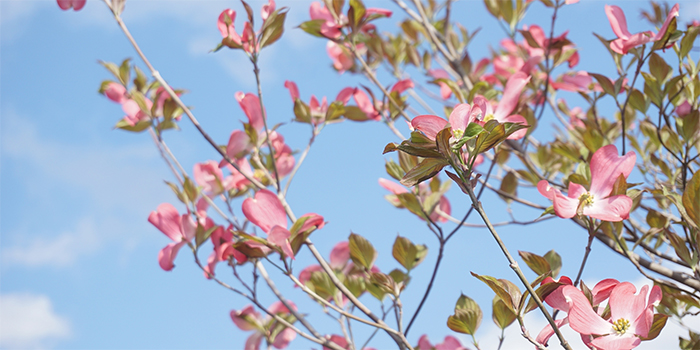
638 101
355 113
656 326
302 112
140 80
502 316
499 288
362 252
408 254
190 189
139 127
688 40
554 261
356 12
659 68
274 27
536 263
313 27
509 185
425 170
467 317
394 170
691 198
410 202
112 68
453 86
125 71
201 234
605 83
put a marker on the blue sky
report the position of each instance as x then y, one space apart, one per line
77 256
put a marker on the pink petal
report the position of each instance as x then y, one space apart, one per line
613 209
450 343
621 46
392 186
306 273
516 118
267 9
402 85
616 342
564 207
445 207
313 220
547 332
65 4
279 308
211 265
279 236
250 104
228 31
340 255
238 144
673 13
116 92
606 167
79 4
575 190
617 21
424 343
374 10
365 104
168 254
293 90
253 341
430 125
283 339
239 318
602 290
511 94
318 12
265 210
167 219
582 318
338 339
461 116
625 304
345 94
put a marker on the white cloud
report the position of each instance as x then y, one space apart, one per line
28 321
59 251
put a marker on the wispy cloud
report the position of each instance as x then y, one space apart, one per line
28 321
54 250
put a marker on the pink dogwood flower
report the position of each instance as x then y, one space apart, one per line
460 117
502 114
265 210
134 114
626 40
445 91
181 229
363 102
75 4
318 110
250 320
116 92
250 104
341 56
329 28
423 193
606 167
450 343
211 178
631 315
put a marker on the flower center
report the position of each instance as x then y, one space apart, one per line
487 118
457 133
621 326
586 199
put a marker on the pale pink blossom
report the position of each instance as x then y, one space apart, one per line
265 210
606 167
502 114
363 102
423 193
116 92
248 319
75 4
402 85
134 114
341 56
631 315
238 146
250 104
267 9
329 28
226 27
449 343
445 91
318 110
684 109
181 229
460 117
626 40
211 178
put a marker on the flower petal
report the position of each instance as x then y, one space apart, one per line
283 338
516 118
582 318
168 254
279 236
250 104
265 210
606 167
617 21
293 89
430 125
244 319
461 116
167 219
616 342
602 290
613 209
511 94
547 332
340 255
625 304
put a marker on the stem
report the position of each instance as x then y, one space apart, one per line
430 286
514 265
256 70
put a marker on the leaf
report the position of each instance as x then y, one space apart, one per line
535 262
202 235
554 261
498 288
356 12
139 127
453 87
425 170
658 67
502 316
313 27
125 71
605 83
656 326
354 113
467 317
362 252
112 68
691 198
509 185
410 202
274 27
408 254
688 40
